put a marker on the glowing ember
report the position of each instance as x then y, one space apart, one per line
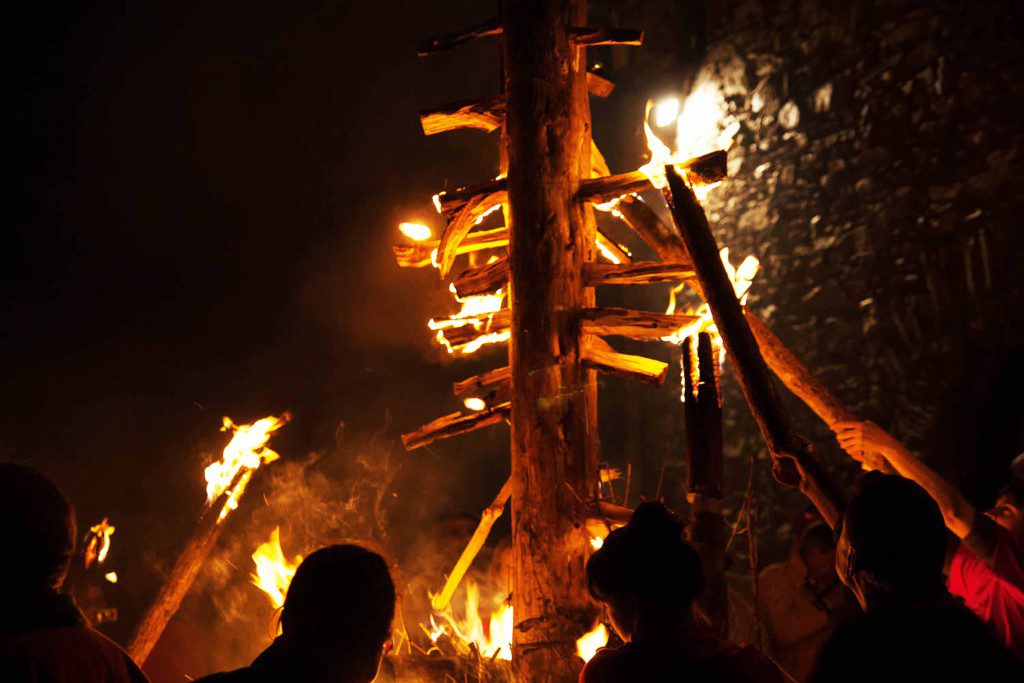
596 542
589 643
417 232
111 577
242 456
475 404
492 641
274 572
98 544
666 112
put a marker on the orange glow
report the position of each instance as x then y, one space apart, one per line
111 577
274 571
589 643
417 232
98 545
244 454
596 542
492 641
475 404
477 311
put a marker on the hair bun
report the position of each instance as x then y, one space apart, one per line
652 518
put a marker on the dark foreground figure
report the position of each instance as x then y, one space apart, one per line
648 578
43 635
891 552
335 625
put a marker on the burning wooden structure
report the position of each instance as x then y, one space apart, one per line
551 257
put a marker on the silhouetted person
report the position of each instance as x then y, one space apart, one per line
648 577
43 634
986 568
890 553
335 625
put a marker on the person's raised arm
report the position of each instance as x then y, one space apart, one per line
818 487
858 437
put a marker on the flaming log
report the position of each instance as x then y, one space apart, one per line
486 115
748 364
487 519
705 485
492 323
453 425
706 169
418 255
640 325
179 580
605 359
637 273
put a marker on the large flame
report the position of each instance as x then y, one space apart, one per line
492 641
417 232
702 125
274 571
244 454
98 545
589 643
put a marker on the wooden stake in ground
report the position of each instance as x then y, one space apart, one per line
180 579
554 398
704 474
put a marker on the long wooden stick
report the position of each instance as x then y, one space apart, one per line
179 581
489 516
747 362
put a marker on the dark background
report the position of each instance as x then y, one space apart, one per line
202 199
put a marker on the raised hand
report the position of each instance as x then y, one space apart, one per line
867 443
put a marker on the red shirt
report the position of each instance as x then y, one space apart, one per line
988 574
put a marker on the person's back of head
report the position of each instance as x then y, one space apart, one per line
338 611
39 530
893 540
645 570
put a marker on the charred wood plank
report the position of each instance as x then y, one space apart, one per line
640 325
481 114
484 279
485 385
636 273
495 323
453 425
598 85
611 362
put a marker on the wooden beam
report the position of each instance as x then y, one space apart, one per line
453 425
706 169
490 515
493 386
462 335
640 325
448 41
636 273
589 36
554 430
485 279
481 114
598 85
418 254
747 362
646 370
660 236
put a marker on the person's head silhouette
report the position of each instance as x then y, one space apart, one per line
337 614
39 530
892 546
645 573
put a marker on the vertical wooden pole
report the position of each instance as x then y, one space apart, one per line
554 399
702 409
